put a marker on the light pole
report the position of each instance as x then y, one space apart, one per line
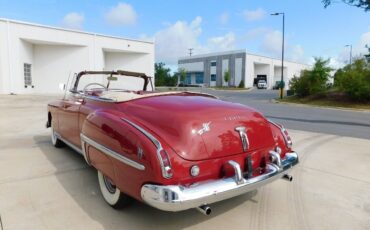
350 53
282 56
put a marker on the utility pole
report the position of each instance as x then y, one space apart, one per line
190 51
282 56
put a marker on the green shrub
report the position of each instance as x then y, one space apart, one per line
241 84
312 81
354 80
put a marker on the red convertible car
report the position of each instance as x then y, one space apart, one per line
172 150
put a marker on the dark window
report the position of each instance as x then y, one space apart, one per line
188 79
27 74
213 63
213 77
199 78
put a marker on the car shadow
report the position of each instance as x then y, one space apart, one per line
80 181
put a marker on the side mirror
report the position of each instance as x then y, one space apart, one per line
62 86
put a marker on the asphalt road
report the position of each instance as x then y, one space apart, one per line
307 118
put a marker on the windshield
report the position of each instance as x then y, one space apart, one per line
111 81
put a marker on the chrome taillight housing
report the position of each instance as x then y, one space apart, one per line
284 132
165 163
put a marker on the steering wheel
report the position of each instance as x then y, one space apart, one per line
94 83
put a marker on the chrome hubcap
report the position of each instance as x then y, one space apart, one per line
109 185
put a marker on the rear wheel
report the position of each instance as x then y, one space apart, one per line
111 194
55 140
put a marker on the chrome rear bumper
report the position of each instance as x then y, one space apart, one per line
176 197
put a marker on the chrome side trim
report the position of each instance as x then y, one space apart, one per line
112 153
157 144
177 198
72 146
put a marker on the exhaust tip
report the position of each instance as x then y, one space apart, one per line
288 177
205 210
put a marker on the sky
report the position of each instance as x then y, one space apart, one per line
212 25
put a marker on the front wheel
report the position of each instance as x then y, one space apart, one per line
111 194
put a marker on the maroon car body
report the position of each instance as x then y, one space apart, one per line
173 151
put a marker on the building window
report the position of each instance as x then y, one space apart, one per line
27 74
199 78
213 63
213 77
188 79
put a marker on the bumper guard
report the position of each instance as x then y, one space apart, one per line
177 198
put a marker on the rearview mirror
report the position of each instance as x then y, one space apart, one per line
62 86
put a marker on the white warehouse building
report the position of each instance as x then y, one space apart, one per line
209 69
36 58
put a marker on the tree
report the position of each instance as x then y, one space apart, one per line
182 74
163 75
367 56
364 4
312 81
227 76
354 80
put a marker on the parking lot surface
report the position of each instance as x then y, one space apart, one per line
42 187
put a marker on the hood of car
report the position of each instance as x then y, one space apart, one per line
200 127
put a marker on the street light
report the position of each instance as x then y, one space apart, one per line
350 54
282 56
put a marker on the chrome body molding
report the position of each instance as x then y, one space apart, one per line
74 147
178 198
157 144
111 153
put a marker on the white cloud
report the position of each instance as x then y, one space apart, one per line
271 43
226 42
122 14
296 53
224 18
253 15
174 41
73 21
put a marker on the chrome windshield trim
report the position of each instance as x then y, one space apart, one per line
112 153
157 144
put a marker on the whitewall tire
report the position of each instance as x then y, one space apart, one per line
111 194
55 140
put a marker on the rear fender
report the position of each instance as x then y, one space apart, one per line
106 128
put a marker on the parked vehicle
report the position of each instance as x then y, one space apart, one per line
172 150
277 85
262 84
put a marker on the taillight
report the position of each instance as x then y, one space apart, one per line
287 139
165 163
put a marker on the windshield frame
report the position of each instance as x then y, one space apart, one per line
119 73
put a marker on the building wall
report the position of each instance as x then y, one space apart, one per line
54 53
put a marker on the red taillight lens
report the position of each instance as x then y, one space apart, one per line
288 140
165 164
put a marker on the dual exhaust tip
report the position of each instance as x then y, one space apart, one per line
206 210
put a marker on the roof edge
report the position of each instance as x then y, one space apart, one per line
72 30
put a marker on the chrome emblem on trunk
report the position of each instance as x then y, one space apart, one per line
205 128
243 137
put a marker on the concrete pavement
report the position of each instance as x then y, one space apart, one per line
42 187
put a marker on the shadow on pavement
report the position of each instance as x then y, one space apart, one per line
81 182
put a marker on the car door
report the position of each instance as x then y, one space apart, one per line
68 118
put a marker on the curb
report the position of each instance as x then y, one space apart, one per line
322 107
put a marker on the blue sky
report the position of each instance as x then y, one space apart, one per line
211 25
